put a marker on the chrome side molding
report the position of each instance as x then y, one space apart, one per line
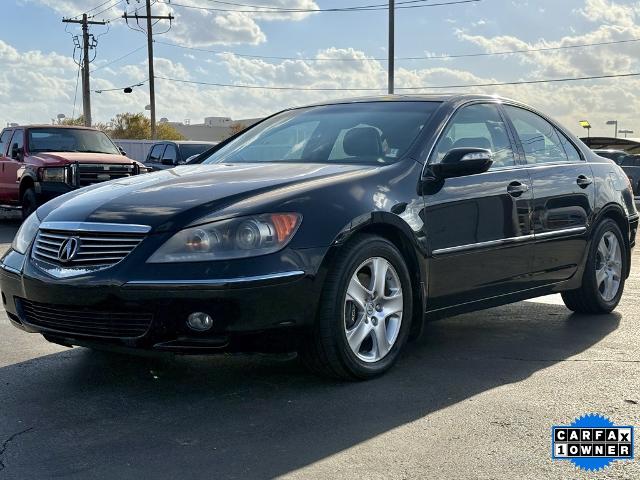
567 232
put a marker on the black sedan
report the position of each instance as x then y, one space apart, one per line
335 230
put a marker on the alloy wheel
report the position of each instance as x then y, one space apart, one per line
373 309
608 266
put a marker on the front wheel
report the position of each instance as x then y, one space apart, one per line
604 275
29 203
364 314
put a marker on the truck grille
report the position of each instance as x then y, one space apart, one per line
90 173
76 320
89 249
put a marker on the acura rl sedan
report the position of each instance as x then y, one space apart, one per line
334 230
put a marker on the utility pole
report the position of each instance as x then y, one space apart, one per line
86 91
391 63
152 86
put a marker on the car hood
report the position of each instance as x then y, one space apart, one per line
64 157
159 199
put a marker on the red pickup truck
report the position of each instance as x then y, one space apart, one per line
40 162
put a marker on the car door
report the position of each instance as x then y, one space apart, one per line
563 192
478 226
11 163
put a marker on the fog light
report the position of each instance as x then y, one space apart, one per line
199 321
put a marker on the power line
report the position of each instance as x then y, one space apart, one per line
427 87
92 9
119 58
291 9
118 2
427 57
102 90
314 10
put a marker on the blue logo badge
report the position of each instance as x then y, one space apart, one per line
592 442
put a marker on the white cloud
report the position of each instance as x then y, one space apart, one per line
197 27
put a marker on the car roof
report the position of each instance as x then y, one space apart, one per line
424 97
45 125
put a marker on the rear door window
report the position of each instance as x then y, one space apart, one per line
539 138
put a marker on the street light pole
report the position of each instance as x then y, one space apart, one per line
615 123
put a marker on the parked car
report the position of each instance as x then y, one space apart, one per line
40 162
171 154
630 165
335 230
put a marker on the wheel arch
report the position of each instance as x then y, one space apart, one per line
395 230
616 213
26 182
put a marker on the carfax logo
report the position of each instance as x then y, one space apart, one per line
592 442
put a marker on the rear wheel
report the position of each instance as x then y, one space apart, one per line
604 275
29 202
365 312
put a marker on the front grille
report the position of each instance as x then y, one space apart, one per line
94 249
90 173
76 320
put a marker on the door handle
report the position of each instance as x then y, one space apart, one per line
583 181
515 189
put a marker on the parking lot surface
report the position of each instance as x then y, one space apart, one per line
474 398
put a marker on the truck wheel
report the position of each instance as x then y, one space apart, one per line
29 203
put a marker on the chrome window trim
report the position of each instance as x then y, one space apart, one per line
213 281
510 241
95 227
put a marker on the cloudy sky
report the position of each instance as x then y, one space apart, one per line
324 50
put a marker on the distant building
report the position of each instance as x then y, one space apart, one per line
214 129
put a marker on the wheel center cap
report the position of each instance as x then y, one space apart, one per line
370 309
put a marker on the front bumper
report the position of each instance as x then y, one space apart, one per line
264 312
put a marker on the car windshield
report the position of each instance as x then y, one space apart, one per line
367 133
70 140
191 149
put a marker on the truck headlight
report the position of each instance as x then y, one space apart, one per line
227 239
53 174
26 234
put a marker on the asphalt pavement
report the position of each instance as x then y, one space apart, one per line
475 398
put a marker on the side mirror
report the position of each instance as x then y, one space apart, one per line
460 162
17 153
122 151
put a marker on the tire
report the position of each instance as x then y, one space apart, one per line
377 334
29 203
593 296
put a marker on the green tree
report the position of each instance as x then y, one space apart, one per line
136 126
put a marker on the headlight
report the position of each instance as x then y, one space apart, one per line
26 234
235 238
51 174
